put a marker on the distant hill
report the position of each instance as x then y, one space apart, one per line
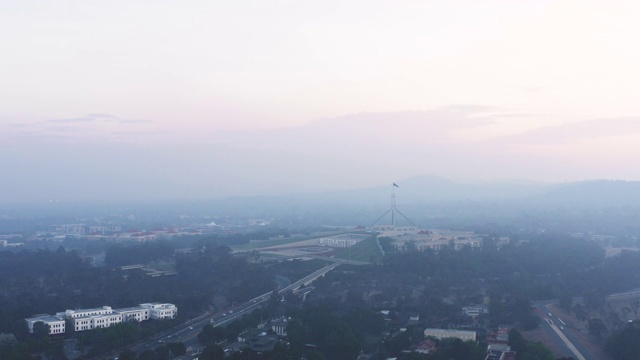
593 193
430 189
415 194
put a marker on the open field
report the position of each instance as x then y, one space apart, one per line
611 251
366 250
260 244
363 250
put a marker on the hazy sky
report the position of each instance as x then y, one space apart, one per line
143 99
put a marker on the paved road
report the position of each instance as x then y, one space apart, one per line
561 334
188 332
318 257
309 278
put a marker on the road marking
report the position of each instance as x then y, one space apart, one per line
568 343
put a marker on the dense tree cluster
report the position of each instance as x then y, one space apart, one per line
129 254
36 282
625 344
340 318
212 269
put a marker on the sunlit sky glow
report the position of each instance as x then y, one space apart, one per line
549 83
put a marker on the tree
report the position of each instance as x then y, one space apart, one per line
295 333
7 340
597 327
55 349
177 348
528 350
212 352
147 355
40 330
127 354
594 299
314 355
210 334
565 300
163 353
581 314
625 344
456 349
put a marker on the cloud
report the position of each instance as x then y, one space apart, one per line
570 132
439 120
91 127
514 115
98 117
362 130
137 133
471 109
101 115
72 120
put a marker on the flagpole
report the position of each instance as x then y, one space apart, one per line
393 204
393 209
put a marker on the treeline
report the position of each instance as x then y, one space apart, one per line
36 282
544 267
625 344
539 255
212 269
436 285
129 254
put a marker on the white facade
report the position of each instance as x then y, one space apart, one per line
137 313
161 311
440 334
279 326
56 325
105 310
88 319
475 311
96 321
394 231
437 239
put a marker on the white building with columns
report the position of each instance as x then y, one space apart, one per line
102 317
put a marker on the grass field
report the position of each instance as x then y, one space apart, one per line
259 244
366 250
163 266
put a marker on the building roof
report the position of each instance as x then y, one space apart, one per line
134 308
44 318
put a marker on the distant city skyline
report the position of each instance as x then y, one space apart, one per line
153 99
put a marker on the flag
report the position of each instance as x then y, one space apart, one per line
396 185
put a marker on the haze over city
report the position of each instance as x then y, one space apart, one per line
319 180
198 99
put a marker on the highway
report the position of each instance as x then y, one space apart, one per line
187 333
318 257
309 278
559 332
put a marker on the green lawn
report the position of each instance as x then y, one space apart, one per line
365 250
163 266
258 244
